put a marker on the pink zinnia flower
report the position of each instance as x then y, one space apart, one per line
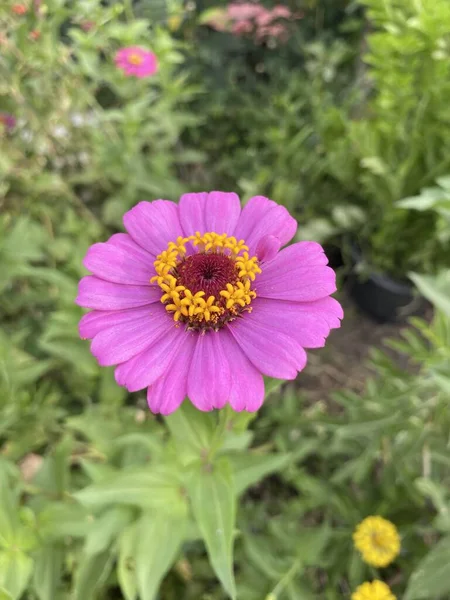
8 121
198 300
137 62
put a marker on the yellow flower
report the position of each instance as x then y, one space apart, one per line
375 590
378 541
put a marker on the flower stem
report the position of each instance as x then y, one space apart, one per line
285 580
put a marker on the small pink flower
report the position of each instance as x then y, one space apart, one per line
8 121
245 11
136 62
200 299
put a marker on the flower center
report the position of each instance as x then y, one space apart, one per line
135 59
206 279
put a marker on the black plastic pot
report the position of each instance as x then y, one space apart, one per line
380 296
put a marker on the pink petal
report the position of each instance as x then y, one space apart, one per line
247 383
105 295
192 213
327 308
98 320
297 273
145 368
169 391
209 379
267 248
122 341
272 352
261 217
120 260
153 225
307 328
222 212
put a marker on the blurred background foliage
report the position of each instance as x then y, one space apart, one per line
343 116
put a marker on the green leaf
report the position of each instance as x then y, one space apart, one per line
272 385
192 429
159 541
91 574
8 510
249 469
126 568
47 571
15 571
213 498
145 488
431 579
61 519
435 289
311 543
106 528
4 595
53 476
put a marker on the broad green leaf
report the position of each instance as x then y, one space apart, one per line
8 509
4 595
311 543
431 579
53 476
158 543
145 488
106 528
272 385
259 551
91 574
213 498
435 289
192 429
15 571
249 469
60 519
126 568
47 571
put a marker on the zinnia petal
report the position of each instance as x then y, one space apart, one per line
192 212
169 391
222 212
153 225
273 353
97 320
297 273
122 341
209 379
120 260
247 383
105 295
261 217
308 329
145 368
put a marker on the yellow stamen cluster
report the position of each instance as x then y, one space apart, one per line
378 541
240 294
215 242
135 59
248 267
180 301
375 590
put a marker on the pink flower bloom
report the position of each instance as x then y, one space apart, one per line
199 300
137 62
8 121
245 11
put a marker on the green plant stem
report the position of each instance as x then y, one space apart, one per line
285 580
128 6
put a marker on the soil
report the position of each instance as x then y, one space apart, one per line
343 363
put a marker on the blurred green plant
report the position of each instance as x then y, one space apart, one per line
392 137
85 132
